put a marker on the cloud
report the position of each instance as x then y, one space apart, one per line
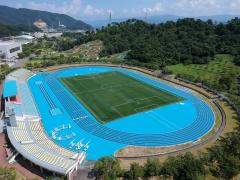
157 8
198 4
235 5
92 11
152 10
19 5
72 8
200 7
130 12
101 9
189 8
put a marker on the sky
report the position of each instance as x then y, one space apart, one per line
91 10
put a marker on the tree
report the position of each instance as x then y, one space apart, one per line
7 174
184 167
135 172
225 82
4 70
237 60
230 166
169 167
224 158
152 168
107 168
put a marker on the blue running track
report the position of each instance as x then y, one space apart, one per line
165 126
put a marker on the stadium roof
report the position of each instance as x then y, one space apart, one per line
9 88
7 43
24 37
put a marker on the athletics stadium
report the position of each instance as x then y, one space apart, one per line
62 119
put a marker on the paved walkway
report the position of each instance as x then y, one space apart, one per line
84 175
29 172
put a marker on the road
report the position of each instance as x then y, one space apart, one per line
20 63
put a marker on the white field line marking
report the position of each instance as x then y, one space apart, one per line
134 100
95 76
149 105
112 88
113 108
162 120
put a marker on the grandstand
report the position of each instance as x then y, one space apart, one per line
28 136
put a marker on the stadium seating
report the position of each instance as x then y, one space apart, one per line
31 136
28 136
17 108
28 106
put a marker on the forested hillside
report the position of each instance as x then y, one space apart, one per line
26 17
221 74
9 30
184 41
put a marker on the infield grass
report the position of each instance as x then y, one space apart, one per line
112 95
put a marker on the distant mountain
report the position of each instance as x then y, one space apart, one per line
219 18
164 18
22 16
215 18
105 22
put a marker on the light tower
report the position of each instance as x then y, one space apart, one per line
146 16
110 17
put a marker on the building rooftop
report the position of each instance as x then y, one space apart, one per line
9 88
7 43
28 37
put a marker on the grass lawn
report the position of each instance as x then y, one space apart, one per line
90 50
112 95
221 66
211 72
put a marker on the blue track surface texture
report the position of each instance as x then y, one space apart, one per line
165 126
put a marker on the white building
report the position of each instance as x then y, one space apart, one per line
10 49
38 35
24 39
50 35
47 34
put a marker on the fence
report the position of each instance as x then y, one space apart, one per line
219 94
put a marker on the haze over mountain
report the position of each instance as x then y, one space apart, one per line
163 18
26 17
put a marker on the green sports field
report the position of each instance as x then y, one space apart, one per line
112 95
